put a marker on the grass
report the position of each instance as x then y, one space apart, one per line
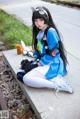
12 31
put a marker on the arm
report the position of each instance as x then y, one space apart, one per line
52 41
52 38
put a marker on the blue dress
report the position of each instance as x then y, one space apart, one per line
56 64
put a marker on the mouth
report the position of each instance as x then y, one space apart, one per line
40 27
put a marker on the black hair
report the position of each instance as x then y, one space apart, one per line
46 16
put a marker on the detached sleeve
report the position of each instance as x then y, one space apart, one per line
52 38
36 54
52 41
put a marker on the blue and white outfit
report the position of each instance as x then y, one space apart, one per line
55 63
52 69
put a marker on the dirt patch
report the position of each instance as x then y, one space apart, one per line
13 99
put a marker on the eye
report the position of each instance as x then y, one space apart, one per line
35 20
41 19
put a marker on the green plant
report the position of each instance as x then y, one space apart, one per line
13 30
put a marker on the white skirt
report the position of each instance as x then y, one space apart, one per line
42 69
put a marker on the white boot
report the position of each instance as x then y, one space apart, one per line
62 85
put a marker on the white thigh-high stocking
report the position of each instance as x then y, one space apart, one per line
37 80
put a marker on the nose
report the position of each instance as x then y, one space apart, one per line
38 23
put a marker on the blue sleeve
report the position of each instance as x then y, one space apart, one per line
36 54
52 41
52 38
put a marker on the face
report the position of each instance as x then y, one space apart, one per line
39 23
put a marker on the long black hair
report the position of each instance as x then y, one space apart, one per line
43 13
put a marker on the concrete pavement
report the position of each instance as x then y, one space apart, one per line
46 103
67 19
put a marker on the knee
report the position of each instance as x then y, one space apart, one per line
26 79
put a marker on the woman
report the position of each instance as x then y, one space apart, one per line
49 52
